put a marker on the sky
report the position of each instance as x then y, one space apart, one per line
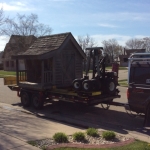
100 19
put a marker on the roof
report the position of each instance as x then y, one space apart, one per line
17 44
48 44
130 51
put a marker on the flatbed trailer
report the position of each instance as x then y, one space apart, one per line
39 97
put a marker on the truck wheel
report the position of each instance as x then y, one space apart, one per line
25 99
37 101
110 86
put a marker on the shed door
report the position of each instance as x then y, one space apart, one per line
69 69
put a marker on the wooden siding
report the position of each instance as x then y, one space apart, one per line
68 65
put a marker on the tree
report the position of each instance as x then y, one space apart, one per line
2 19
135 44
112 48
25 25
141 43
86 41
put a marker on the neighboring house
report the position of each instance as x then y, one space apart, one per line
127 53
16 44
54 60
1 63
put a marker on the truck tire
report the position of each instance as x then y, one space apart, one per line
110 86
37 101
25 99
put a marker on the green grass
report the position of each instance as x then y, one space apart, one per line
6 73
137 145
123 82
120 68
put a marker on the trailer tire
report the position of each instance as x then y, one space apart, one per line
110 87
37 101
25 99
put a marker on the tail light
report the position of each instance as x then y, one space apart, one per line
128 93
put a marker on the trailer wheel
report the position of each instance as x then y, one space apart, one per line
25 99
110 86
37 101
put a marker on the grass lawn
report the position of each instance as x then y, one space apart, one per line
123 82
137 145
120 68
6 73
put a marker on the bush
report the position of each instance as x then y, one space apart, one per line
108 135
60 137
78 136
92 132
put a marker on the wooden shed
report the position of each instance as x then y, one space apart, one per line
54 60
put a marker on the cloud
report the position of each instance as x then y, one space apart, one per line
107 25
15 6
121 16
121 39
61 0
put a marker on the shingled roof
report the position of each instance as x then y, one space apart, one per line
48 44
17 44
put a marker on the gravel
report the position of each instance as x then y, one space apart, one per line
88 140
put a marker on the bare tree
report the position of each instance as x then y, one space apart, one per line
141 43
25 25
86 41
135 44
112 48
2 19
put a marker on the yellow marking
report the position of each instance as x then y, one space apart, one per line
96 93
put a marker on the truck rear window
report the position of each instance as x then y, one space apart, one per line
139 75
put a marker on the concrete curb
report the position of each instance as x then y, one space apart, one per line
92 145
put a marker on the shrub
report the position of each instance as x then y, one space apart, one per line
78 136
108 135
92 132
60 137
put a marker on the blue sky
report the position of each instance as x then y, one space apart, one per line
101 19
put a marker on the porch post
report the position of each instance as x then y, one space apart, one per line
17 72
42 73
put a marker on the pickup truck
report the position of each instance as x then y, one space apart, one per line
138 92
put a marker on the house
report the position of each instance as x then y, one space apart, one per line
54 60
127 53
16 44
1 63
